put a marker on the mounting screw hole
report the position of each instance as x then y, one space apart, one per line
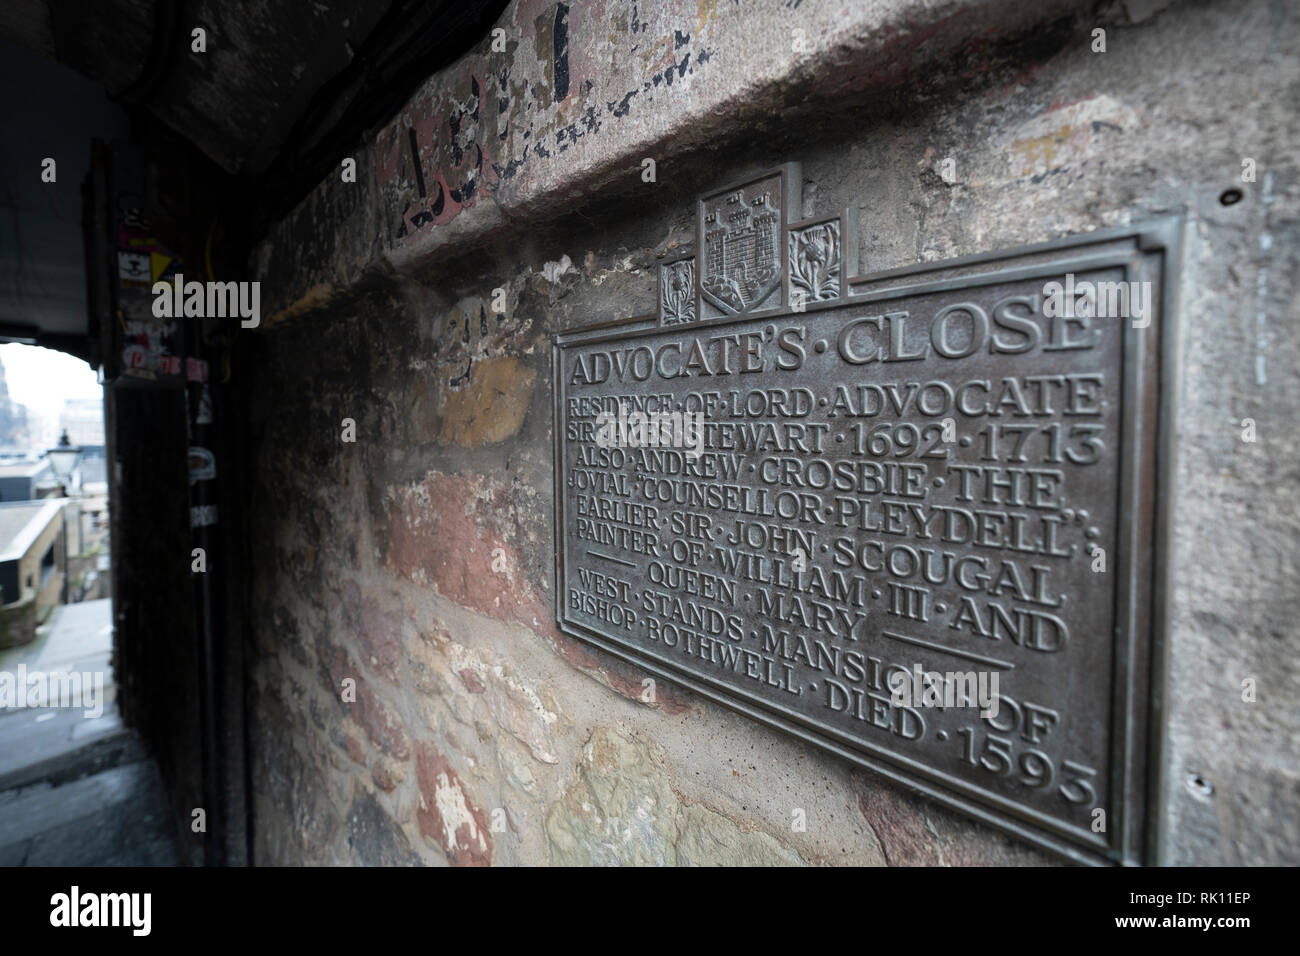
1230 197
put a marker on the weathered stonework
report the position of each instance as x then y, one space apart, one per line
418 560
623 809
490 408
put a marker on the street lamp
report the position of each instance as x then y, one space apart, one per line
63 458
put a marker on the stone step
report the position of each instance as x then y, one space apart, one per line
117 817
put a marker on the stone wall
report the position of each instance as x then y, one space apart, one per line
48 593
417 561
18 621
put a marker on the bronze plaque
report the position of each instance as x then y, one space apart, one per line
910 518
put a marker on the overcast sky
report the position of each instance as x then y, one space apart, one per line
42 379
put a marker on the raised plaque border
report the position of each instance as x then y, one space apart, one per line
1150 373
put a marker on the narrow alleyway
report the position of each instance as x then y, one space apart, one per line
77 790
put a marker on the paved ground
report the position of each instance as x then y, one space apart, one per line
77 790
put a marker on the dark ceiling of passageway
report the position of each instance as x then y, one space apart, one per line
282 91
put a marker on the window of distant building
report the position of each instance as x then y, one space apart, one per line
47 567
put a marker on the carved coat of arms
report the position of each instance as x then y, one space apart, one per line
742 251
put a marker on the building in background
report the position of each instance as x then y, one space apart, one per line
31 567
15 423
20 480
83 420
89 560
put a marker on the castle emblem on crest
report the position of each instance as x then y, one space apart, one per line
742 262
